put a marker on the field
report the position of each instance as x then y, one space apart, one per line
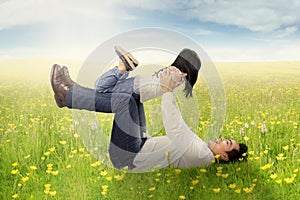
42 155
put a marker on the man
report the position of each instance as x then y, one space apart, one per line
129 148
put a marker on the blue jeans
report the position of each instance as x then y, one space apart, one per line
129 121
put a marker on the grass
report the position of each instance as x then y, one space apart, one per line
42 155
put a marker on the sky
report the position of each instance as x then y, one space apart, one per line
236 30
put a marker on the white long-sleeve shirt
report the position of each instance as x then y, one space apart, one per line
180 147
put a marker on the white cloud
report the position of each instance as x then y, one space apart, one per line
258 16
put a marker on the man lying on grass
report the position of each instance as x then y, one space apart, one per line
129 146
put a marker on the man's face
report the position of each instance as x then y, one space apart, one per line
221 146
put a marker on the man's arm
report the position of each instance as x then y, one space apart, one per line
172 118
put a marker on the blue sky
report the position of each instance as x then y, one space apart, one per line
226 30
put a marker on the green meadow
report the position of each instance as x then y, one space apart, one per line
42 155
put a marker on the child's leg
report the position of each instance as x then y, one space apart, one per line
107 81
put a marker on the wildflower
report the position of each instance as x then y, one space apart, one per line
267 166
254 180
219 169
238 169
289 180
81 150
286 148
203 170
52 193
232 185
273 176
246 125
177 171
95 164
43 158
195 182
103 173
48 185
217 156
76 135
224 175
47 153
32 167
266 151
295 171
94 125
104 187
49 166
280 156
279 181
238 191
25 179
168 181
152 189
264 128
68 166
181 197
52 149
15 164
246 138
104 193
19 184
15 196
242 132
216 190
54 173
109 178
63 142
14 171
119 177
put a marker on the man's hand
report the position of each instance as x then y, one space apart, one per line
167 84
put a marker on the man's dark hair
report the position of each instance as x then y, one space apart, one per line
188 62
236 155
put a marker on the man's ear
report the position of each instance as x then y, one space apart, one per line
224 156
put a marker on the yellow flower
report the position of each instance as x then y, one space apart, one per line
32 167
19 184
216 190
286 148
232 186
152 189
68 166
273 176
279 181
104 187
238 169
95 164
52 193
43 158
15 164
119 177
55 173
15 196
14 171
177 171
76 135
81 149
104 193
103 173
25 179
267 166
219 168
266 151
181 197
254 180
217 156
295 170
224 175
280 157
194 182
246 138
289 180
52 149
203 170
168 181
248 189
48 185
49 166
109 178
62 142
47 153
238 191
